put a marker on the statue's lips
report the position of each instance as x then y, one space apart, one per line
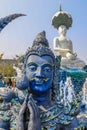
39 82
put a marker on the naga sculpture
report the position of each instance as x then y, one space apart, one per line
6 20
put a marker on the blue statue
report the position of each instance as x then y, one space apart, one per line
40 109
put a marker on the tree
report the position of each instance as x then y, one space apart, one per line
1 55
6 69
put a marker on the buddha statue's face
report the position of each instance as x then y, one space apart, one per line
62 30
39 72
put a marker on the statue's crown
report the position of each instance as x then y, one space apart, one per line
40 47
41 40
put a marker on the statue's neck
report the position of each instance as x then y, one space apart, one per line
62 36
43 99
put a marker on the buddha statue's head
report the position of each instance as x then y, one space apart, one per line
62 30
39 66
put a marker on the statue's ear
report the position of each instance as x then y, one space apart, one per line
22 83
57 62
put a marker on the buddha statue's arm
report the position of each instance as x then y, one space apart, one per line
62 50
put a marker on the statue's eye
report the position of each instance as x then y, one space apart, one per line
47 69
32 68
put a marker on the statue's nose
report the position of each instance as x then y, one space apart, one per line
39 72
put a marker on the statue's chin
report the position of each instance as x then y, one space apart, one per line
38 88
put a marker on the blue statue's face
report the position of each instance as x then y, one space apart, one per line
39 72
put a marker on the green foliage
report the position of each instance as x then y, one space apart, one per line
6 69
20 59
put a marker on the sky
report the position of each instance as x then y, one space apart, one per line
18 35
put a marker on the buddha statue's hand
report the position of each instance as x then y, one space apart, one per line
20 123
34 122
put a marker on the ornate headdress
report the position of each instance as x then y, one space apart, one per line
40 47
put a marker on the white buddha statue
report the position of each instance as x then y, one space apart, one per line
61 44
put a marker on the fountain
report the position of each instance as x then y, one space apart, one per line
84 96
82 116
61 92
69 94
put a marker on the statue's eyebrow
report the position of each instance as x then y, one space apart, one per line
49 64
32 63
36 64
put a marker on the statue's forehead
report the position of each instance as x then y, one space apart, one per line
40 59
